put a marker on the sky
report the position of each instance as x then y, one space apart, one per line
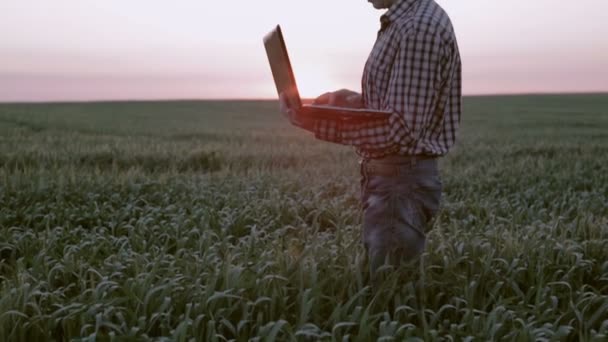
65 50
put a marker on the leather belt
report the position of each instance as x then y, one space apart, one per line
391 166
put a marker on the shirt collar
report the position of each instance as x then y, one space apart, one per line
398 9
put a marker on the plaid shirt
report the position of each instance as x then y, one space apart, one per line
413 71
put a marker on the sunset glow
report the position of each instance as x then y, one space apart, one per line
82 50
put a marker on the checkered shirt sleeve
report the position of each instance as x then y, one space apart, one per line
368 135
418 81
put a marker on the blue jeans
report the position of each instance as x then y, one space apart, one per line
399 197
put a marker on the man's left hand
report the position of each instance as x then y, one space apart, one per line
297 118
341 98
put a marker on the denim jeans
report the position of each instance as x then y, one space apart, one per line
397 208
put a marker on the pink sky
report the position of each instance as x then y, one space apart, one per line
156 49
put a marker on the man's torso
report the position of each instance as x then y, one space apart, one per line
410 17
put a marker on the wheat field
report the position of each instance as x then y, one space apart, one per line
217 221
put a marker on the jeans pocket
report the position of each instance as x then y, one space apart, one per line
419 196
429 184
427 193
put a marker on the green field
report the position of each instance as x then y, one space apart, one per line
218 221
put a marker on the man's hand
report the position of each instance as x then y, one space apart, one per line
341 98
294 116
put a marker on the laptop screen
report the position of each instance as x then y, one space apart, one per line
280 65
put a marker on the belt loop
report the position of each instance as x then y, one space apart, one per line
364 176
363 168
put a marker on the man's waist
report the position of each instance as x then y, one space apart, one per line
418 149
398 158
393 165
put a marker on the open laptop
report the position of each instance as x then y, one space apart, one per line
285 82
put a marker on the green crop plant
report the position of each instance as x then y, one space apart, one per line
217 221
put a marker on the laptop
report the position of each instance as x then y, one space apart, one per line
285 82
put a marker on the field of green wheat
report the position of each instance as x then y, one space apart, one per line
217 221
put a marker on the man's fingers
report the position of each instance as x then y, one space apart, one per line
344 92
283 105
354 101
293 117
337 98
323 99
291 114
332 99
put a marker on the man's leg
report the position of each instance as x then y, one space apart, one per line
397 209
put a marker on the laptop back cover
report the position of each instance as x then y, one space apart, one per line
280 65
285 82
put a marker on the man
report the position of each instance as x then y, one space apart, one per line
413 71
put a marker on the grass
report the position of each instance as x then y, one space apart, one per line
217 221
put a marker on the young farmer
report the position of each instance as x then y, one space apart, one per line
413 71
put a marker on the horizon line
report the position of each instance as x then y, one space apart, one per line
268 99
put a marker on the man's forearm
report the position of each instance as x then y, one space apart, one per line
328 130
